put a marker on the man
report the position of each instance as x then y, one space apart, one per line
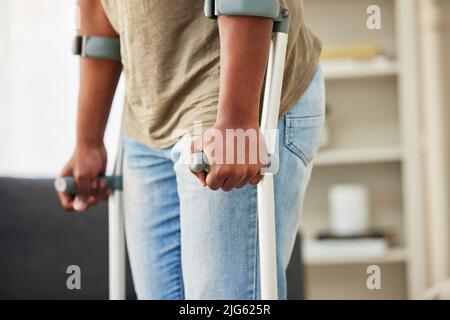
195 237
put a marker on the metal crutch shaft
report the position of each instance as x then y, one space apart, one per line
266 199
116 233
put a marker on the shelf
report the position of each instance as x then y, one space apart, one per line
394 255
355 90
349 69
358 156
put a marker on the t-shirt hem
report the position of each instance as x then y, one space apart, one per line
163 143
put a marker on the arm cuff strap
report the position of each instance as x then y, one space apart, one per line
258 8
97 47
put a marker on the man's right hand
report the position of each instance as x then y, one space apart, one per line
86 164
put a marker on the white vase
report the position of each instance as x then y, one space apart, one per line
349 209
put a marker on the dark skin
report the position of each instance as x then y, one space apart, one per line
244 52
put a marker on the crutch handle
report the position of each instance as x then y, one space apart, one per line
69 186
199 163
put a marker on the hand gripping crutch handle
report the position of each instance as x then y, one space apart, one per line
199 163
68 184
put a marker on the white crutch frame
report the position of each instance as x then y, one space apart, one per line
266 199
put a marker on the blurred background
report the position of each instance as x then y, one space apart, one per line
379 194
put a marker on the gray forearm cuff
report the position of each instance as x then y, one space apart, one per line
97 47
258 8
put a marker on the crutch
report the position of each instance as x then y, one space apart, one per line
116 228
107 48
269 125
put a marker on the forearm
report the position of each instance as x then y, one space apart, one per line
98 78
244 43
98 83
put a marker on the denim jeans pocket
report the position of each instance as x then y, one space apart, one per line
303 135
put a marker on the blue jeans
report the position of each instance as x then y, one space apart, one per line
189 242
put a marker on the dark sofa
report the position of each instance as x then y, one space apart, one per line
39 240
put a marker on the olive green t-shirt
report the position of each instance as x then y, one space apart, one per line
170 56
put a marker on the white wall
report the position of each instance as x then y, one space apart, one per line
5 112
38 88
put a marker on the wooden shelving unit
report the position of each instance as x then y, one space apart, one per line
373 125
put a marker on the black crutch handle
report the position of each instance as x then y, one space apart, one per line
69 186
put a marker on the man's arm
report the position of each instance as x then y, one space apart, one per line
244 51
98 82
